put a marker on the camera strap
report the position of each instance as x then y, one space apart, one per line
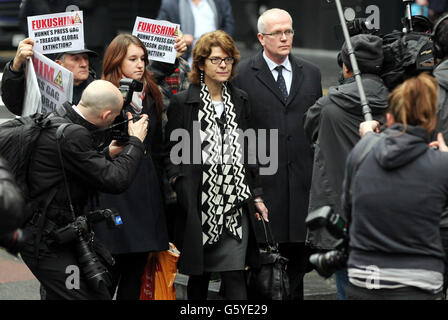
134 117
59 135
41 222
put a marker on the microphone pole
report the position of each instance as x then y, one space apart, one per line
366 111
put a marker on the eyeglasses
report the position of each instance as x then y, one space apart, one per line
279 34
227 61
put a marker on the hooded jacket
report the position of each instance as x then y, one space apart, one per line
393 202
332 125
441 75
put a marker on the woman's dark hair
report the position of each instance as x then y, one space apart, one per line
113 58
203 49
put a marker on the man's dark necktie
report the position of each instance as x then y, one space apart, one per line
281 82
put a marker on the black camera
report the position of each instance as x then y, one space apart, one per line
329 262
78 233
359 26
120 126
13 241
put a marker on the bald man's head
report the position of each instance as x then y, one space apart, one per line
100 95
100 101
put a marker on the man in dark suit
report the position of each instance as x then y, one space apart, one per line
281 88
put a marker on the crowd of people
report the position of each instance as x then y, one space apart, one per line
199 189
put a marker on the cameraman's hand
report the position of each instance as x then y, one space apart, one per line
24 51
138 129
440 143
368 126
115 148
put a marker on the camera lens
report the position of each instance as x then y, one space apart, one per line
94 271
13 241
328 263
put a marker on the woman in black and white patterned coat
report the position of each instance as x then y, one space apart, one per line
219 194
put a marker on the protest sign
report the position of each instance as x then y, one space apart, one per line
59 32
158 38
54 81
32 101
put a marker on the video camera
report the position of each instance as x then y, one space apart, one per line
359 26
329 262
78 233
120 126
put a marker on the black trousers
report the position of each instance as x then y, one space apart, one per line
233 286
298 255
127 275
54 270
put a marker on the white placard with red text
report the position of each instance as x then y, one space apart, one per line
55 84
59 32
158 38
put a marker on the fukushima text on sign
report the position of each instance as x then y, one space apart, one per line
60 32
158 38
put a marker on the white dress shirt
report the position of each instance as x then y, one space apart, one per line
286 72
204 20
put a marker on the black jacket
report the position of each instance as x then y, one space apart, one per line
332 125
393 202
286 192
182 112
11 201
88 170
12 88
141 205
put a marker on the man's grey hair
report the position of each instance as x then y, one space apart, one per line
261 25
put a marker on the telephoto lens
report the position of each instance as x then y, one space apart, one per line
94 271
328 263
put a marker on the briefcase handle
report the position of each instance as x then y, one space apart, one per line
267 228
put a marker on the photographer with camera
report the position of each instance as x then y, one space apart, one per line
66 172
141 205
395 189
332 126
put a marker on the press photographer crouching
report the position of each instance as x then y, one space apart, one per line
11 211
395 189
66 172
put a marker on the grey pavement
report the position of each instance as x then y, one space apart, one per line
17 283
